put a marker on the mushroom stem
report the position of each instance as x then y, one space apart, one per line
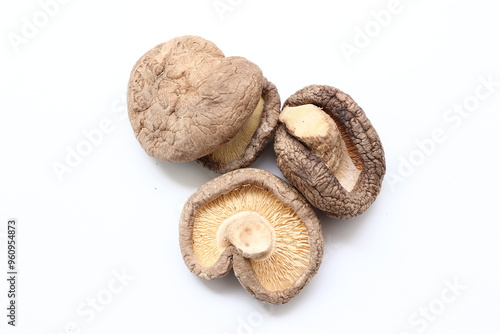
251 234
318 131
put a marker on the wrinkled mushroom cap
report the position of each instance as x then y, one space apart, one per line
253 137
277 268
186 99
311 175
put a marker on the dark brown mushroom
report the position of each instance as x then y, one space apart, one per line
186 101
256 223
329 150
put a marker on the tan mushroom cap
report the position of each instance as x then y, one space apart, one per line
254 222
339 170
186 99
251 140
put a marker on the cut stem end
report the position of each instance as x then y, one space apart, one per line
251 234
318 131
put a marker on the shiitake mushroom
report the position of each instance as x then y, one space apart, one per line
329 150
187 101
253 222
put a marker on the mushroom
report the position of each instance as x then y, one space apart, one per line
187 101
257 224
328 149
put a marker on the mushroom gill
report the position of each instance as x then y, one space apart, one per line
290 254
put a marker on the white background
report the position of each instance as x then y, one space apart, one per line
434 224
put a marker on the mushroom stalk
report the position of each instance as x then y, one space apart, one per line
318 131
251 234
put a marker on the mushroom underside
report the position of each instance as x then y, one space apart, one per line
307 163
328 140
289 256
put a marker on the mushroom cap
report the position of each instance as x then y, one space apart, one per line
266 128
311 176
298 245
185 99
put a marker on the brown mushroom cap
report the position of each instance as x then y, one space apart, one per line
312 176
254 222
186 99
248 145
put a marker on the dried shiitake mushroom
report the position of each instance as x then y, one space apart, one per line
327 148
259 225
187 101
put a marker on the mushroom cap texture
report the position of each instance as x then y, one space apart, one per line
311 176
266 128
230 257
185 99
